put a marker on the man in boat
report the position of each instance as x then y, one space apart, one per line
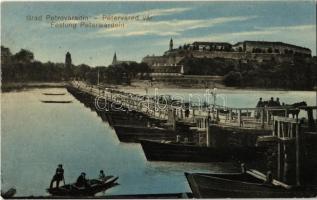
260 103
102 175
271 102
187 112
277 103
82 181
59 176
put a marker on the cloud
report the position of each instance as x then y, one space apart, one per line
291 28
162 12
302 35
166 27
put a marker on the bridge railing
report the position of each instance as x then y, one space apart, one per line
244 117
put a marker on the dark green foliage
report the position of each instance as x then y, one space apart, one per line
23 56
300 74
232 78
206 66
122 73
21 67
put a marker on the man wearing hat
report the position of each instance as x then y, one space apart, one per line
59 176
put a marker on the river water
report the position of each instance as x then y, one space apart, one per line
36 137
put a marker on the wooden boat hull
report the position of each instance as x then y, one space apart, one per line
54 94
158 151
239 186
128 133
56 101
130 118
223 136
71 190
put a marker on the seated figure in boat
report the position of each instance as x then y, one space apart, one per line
82 181
59 176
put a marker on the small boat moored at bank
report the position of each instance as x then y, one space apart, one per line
242 185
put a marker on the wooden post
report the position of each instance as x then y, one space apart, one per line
279 152
274 132
193 114
230 115
208 138
311 122
239 118
268 116
174 120
262 118
298 157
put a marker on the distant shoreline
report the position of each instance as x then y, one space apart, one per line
17 86
140 85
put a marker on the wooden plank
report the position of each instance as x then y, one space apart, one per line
261 176
285 119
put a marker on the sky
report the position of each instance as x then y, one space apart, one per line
291 22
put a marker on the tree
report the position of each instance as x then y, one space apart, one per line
24 56
233 79
80 71
5 55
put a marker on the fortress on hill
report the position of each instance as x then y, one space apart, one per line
170 68
246 51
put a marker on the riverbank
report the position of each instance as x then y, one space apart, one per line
142 84
136 85
17 86
184 195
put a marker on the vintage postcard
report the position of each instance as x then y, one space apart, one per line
170 99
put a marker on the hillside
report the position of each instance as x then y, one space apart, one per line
300 74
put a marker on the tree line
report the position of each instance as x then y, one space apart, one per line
300 74
22 67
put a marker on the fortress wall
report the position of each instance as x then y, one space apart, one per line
162 60
176 58
280 47
243 56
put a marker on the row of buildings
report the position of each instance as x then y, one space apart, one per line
248 47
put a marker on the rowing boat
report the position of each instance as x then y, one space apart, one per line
94 186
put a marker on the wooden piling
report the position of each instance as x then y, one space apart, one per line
208 133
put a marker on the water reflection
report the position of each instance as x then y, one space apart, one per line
35 137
